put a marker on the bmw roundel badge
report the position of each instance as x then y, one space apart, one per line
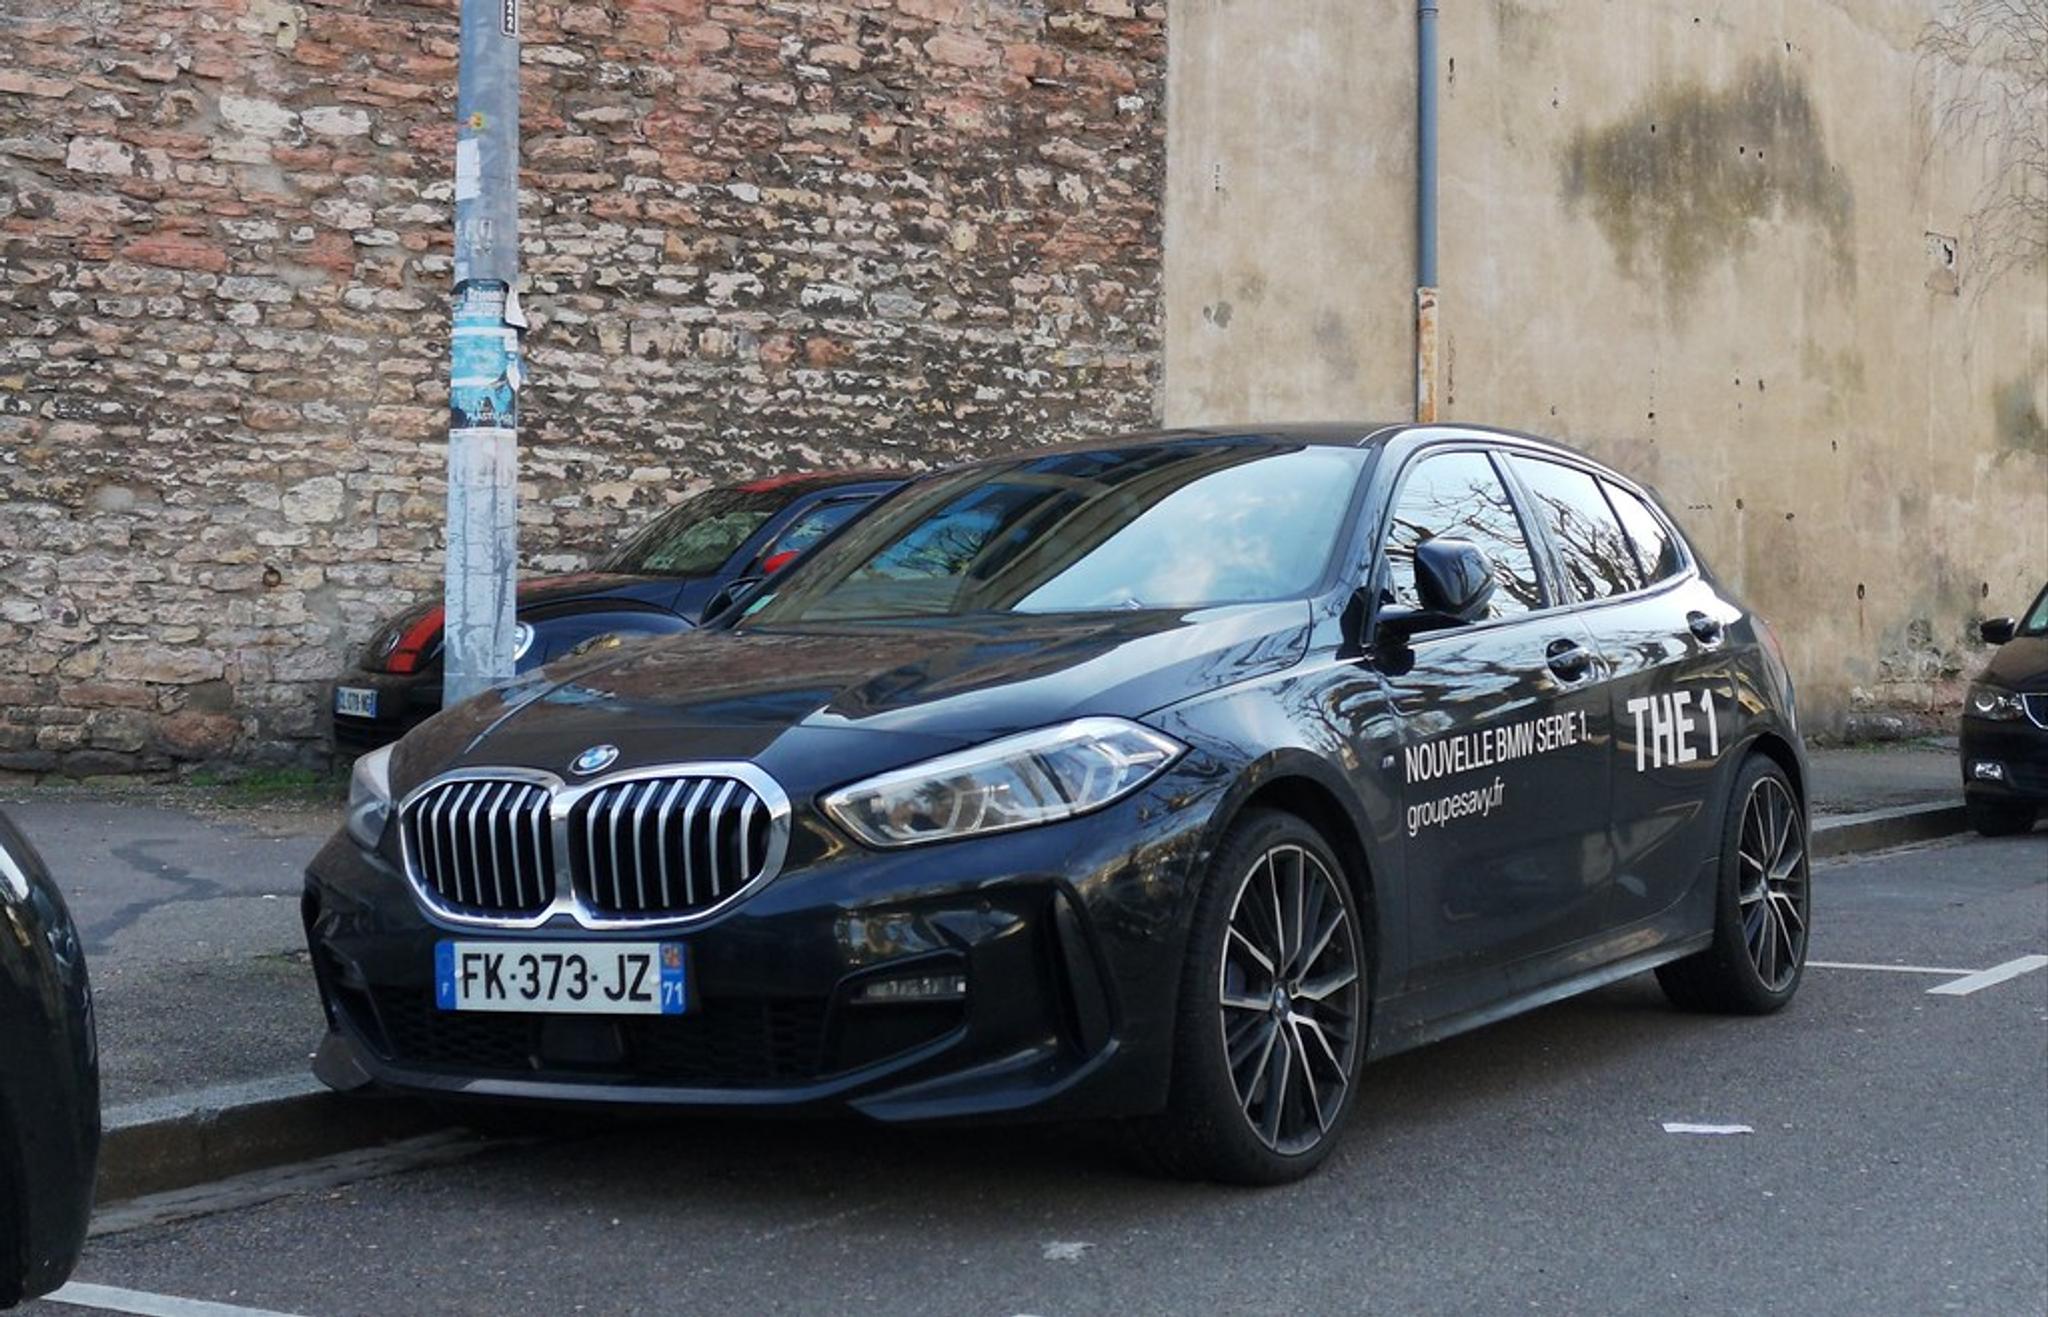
595 759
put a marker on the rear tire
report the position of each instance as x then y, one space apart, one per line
1271 1028
1998 818
1762 904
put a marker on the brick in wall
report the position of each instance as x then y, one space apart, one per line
757 236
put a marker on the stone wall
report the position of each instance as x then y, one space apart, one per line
1782 258
759 235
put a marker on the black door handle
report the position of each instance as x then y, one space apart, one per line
1568 659
1706 629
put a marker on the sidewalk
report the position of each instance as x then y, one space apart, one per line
188 902
1854 779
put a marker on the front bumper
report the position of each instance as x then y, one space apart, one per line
1069 937
2005 761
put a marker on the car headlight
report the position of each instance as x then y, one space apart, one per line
1019 781
1991 703
369 798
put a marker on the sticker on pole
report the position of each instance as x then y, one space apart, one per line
509 22
483 378
469 173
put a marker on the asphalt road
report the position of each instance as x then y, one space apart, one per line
1898 1163
189 910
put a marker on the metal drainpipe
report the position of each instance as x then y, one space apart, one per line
1425 212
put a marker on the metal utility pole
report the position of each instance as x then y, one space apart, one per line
1425 212
484 375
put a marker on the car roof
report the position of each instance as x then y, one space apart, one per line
799 483
1325 434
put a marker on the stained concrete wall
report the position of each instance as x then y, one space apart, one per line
1704 242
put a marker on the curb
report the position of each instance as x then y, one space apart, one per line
175 1142
1879 829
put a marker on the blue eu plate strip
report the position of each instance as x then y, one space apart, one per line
674 992
444 975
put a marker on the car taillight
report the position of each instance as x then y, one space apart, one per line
775 562
412 646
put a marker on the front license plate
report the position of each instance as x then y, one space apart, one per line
576 978
355 702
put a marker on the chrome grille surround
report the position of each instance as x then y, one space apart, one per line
2036 705
737 812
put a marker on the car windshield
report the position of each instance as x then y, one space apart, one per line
1179 526
2036 623
696 538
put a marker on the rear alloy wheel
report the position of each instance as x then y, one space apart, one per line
1271 1034
1763 905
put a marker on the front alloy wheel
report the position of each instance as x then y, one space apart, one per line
1274 1000
1289 991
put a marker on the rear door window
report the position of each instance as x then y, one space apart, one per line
1461 496
814 525
1656 547
1592 548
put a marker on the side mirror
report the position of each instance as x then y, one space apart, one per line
1454 577
1998 630
733 592
1454 582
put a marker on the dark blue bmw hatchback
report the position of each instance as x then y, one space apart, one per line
1168 779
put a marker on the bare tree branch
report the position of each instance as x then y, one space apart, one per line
1988 65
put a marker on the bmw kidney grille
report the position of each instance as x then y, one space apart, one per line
647 849
483 846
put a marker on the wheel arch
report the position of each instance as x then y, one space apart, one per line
1778 750
1299 785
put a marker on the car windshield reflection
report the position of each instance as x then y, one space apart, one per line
1169 526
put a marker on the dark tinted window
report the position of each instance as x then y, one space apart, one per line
1656 547
696 538
1460 495
1591 546
1152 526
814 525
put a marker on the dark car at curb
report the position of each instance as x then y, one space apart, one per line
668 577
49 1079
2004 732
1162 780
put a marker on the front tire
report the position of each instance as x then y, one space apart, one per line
1270 1035
1762 905
1998 818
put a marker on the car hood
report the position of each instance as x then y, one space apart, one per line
2020 664
853 699
540 599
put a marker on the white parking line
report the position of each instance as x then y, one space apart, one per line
1895 969
112 1298
2011 969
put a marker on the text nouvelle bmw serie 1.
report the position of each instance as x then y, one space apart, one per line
1166 779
